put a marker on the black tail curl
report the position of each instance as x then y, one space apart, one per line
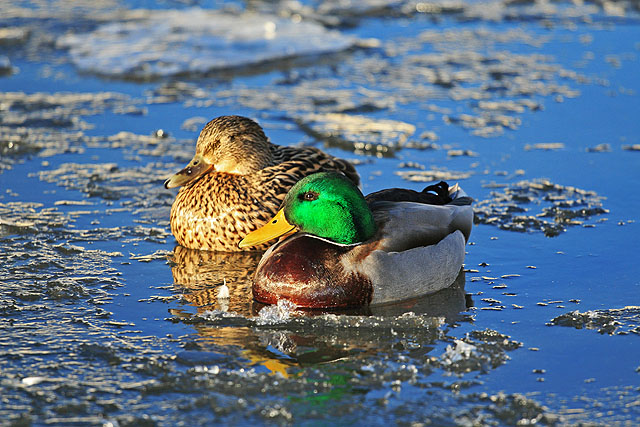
435 194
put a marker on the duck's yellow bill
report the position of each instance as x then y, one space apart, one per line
277 227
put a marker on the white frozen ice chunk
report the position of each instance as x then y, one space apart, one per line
5 65
29 381
357 7
277 313
461 351
163 43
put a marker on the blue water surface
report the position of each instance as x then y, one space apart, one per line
101 335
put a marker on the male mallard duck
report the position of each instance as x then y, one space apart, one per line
349 250
236 181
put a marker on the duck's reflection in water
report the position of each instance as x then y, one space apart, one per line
307 337
200 276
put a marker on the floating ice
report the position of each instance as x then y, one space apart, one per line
223 296
277 313
618 321
5 66
461 351
433 174
29 381
539 205
163 43
358 133
223 291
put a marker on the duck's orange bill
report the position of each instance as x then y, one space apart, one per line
277 227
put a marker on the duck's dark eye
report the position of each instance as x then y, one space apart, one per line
309 196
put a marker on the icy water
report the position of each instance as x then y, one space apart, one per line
533 107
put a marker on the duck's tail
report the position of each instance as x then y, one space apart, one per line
458 196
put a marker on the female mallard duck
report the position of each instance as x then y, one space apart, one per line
236 181
350 250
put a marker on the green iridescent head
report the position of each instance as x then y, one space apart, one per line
328 205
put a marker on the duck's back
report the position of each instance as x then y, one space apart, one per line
303 161
420 244
408 218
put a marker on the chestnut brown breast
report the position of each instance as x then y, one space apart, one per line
307 271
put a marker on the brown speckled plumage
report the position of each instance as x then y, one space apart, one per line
246 180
